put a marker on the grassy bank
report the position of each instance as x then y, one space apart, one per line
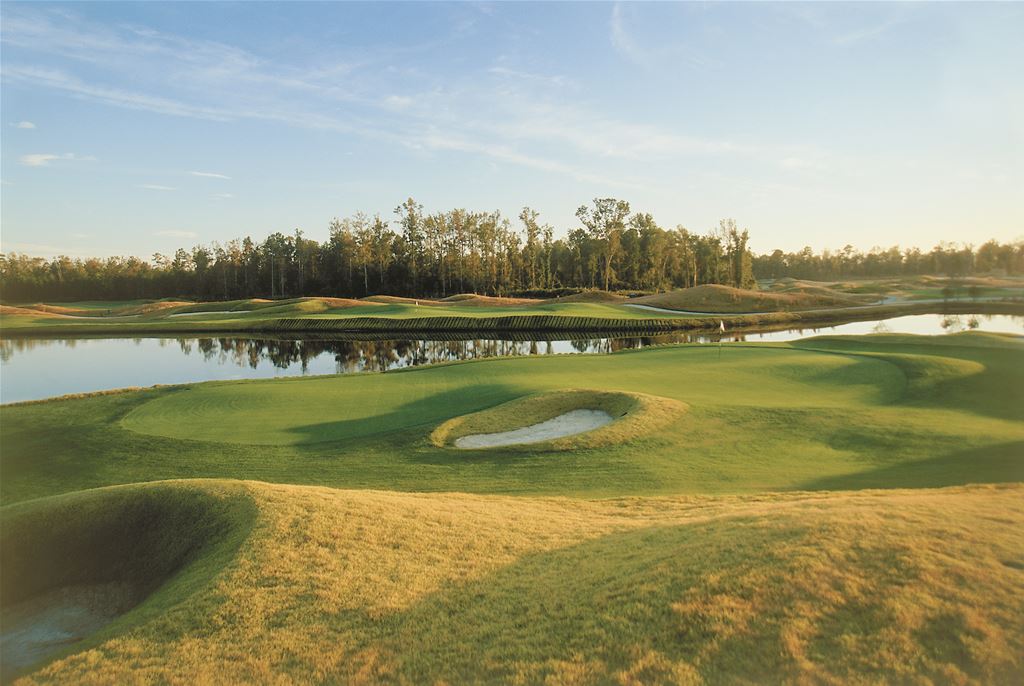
404 318
336 586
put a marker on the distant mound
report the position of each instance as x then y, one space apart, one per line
589 297
11 310
147 308
474 300
726 299
398 300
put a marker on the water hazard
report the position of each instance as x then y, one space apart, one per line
41 368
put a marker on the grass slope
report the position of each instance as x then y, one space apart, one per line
855 412
716 298
370 587
595 311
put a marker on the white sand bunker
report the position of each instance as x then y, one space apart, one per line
568 424
48 623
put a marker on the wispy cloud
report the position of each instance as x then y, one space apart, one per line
868 32
172 233
521 117
61 81
645 53
156 187
43 159
24 125
222 196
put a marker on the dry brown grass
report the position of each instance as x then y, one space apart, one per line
911 586
24 311
590 297
474 300
725 299
150 307
399 300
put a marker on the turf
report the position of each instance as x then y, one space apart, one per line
878 411
740 540
370 587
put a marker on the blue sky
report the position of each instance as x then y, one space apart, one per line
137 128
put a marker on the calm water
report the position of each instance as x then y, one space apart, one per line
40 368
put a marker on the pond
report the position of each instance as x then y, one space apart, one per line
31 369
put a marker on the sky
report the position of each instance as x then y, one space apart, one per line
135 128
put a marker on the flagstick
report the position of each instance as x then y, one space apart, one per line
721 328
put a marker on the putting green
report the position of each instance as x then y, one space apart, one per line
827 413
300 411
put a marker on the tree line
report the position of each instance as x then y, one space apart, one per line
420 254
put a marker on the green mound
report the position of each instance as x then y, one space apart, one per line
634 415
145 547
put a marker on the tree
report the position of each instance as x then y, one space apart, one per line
605 222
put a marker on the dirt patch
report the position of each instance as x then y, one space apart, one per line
568 424
48 623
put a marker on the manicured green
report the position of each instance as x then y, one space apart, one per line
878 411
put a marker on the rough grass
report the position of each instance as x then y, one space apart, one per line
634 415
159 542
373 587
716 298
594 296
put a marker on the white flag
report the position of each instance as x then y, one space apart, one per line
721 326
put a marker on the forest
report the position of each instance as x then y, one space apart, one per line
458 251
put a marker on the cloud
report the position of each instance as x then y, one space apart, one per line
800 164
81 235
868 32
156 187
171 233
43 159
24 125
397 102
222 196
112 96
210 175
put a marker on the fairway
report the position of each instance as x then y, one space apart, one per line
882 411
337 409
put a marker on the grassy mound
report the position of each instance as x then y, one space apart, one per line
155 543
595 296
398 300
24 311
375 587
474 300
634 415
726 299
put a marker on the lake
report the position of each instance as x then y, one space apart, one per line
32 368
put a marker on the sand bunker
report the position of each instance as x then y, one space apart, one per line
568 424
49 623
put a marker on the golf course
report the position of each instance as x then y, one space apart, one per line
472 343
837 509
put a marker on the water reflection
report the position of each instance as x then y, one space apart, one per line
41 368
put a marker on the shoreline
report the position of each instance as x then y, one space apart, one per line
519 323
